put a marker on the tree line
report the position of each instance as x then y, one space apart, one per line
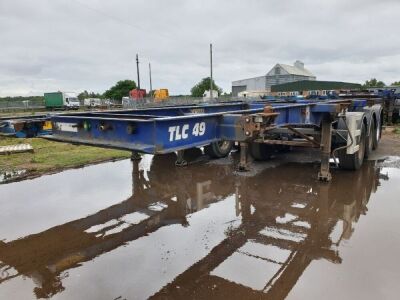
373 82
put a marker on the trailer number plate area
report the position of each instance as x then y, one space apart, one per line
177 133
69 127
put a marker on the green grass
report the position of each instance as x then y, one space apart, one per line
50 156
397 130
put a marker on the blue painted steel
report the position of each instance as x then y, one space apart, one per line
7 127
167 129
25 128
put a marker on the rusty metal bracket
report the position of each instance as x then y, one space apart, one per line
317 144
326 141
243 164
254 124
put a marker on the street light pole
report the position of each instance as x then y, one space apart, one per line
211 73
151 87
137 70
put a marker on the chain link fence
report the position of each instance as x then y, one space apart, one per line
21 105
171 101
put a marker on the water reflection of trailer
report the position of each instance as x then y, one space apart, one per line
348 129
300 220
279 237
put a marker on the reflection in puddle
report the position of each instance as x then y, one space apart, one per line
195 232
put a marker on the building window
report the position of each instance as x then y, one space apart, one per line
277 71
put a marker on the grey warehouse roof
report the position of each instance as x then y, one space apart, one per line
293 70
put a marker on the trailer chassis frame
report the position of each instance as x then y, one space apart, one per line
176 128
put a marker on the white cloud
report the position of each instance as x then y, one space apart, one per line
90 44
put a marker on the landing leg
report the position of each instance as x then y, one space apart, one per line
326 140
135 156
180 161
135 177
244 155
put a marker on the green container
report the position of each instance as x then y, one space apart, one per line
54 100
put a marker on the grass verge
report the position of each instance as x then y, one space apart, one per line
50 156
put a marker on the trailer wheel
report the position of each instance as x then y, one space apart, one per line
219 149
369 140
353 161
260 151
375 134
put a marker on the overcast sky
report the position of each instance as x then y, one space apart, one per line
72 45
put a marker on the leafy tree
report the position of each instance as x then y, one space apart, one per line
396 83
373 83
204 85
120 89
85 94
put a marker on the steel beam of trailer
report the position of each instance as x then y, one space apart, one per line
169 129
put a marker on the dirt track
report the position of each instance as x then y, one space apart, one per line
388 146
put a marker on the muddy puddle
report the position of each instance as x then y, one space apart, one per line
127 230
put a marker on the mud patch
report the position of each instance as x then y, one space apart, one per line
390 162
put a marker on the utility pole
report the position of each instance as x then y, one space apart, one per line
137 70
211 75
151 87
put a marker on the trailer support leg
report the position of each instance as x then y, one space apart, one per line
180 161
326 141
135 156
243 164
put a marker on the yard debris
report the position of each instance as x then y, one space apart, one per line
19 148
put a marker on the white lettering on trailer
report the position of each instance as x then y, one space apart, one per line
185 128
171 131
177 133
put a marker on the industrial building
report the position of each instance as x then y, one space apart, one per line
308 88
279 74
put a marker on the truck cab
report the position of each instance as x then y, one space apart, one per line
71 101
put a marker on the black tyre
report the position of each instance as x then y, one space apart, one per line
219 149
353 161
260 151
369 140
375 134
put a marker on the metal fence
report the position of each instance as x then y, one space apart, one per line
11 105
171 101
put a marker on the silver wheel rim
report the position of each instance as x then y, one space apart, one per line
224 145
